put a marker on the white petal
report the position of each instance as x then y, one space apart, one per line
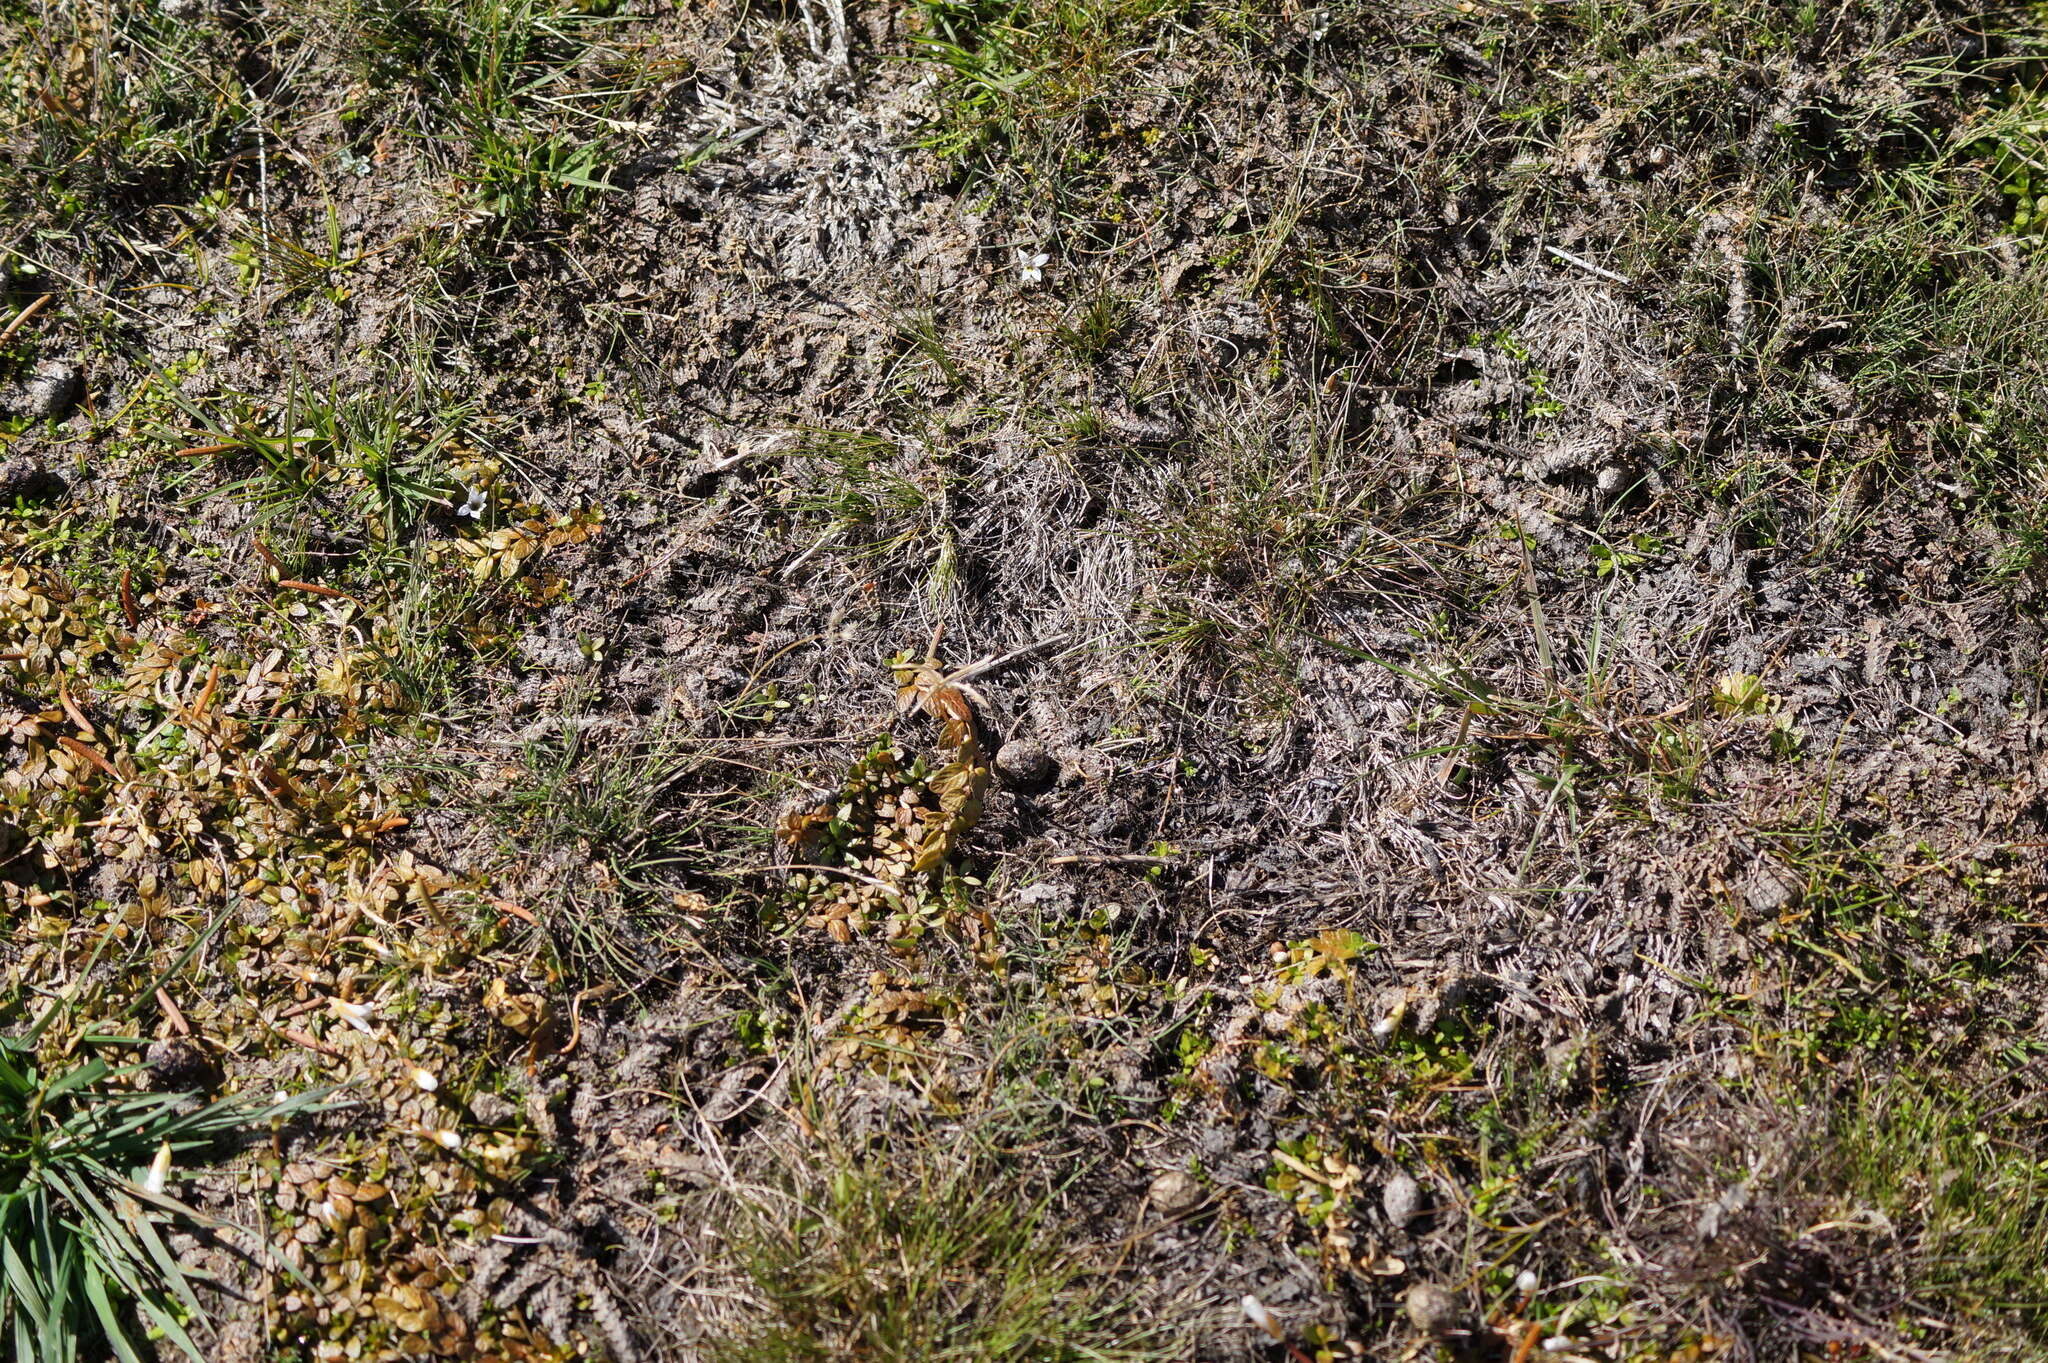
356 1015
159 1169
425 1081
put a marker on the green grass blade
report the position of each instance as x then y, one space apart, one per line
110 1319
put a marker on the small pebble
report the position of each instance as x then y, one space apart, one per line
1174 1192
1433 1310
1401 1199
51 390
1025 762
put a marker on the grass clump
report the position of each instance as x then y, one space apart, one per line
925 1258
110 108
1971 1205
528 90
1027 84
82 1207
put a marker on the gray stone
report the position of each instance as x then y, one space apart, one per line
24 479
1024 762
1174 1193
1401 1199
1435 1311
49 393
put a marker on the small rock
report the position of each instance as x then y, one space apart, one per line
23 479
1434 1310
1401 1199
1174 1192
51 390
177 1064
1024 762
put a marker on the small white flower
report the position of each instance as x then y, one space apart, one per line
425 1081
475 505
445 1138
159 1169
1255 1311
1384 1028
356 1015
1557 1344
1030 266
1527 1281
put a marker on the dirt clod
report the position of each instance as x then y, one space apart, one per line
178 1064
23 478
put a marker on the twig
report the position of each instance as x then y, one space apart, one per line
171 1013
1450 767
1588 266
299 1038
596 991
262 164
990 664
506 906
21 319
1544 657
831 533
90 754
318 590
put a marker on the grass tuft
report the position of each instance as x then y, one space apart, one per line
82 1208
924 1257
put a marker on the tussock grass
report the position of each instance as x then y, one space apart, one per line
919 1254
83 1212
